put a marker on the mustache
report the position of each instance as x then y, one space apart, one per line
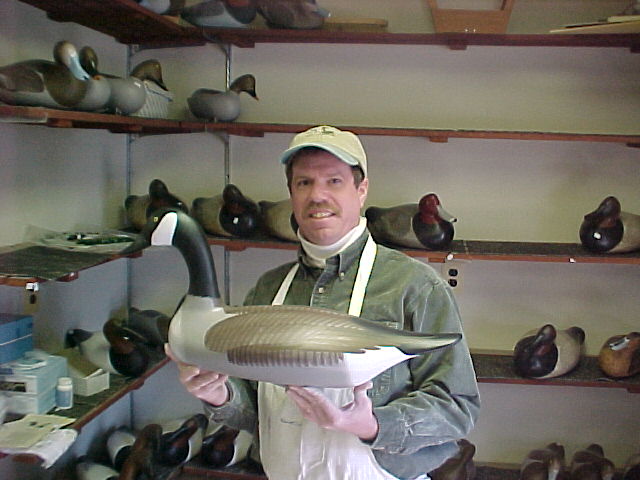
321 206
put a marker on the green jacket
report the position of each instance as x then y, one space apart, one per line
422 406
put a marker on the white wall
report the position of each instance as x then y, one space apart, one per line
499 189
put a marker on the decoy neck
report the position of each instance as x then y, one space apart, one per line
174 227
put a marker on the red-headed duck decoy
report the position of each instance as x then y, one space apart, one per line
115 349
458 467
224 446
61 84
632 468
414 225
609 229
620 355
128 94
286 345
543 463
221 13
138 207
548 352
90 470
220 106
229 214
298 14
277 220
591 464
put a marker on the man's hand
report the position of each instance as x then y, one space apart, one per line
203 384
355 417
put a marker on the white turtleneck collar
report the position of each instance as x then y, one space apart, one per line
316 255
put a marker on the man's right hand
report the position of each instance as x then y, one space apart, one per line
208 386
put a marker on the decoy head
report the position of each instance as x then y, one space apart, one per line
245 83
127 353
174 446
219 447
65 53
160 196
602 229
239 215
431 210
536 355
89 60
150 70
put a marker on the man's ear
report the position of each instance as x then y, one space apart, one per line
363 190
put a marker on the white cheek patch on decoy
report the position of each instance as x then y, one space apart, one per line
163 234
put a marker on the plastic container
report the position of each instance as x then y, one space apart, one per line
64 393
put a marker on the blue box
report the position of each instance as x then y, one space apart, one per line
16 336
34 373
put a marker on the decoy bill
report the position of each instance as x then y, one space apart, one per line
286 345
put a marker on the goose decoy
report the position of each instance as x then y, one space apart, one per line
115 349
548 352
277 220
609 229
620 355
119 443
458 467
591 464
128 94
89 470
219 106
632 468
62 84
229 214
422 225
139 207
151 325
181 440
543 463
225 446
221 13
297 14
286 345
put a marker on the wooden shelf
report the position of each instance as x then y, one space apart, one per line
468 250
129 23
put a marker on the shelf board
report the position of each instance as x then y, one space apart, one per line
129 23
497 367
468 250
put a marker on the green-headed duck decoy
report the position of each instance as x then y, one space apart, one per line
620 355
458 467
414 225
277 220
286 345
543 463
609 229
298 14
220 106
632 468
548 352
128 94
591 464
61 84
151 325
221 13
90 470
139 207
229 214
224 446
115 349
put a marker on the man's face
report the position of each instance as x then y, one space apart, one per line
326 203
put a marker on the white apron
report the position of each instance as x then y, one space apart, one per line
293 448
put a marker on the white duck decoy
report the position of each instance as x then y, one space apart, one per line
221 13
209 104
609 229
62 84
286 345
128 94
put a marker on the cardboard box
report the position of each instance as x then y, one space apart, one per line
34 373
88 379
23 403
16 336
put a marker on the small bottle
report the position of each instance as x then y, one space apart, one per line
64 393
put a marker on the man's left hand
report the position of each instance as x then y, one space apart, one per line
355 417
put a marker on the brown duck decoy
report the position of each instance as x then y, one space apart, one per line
543 464
632 468
591 464
139 207
225 446
181 444
609 229
620 355
278 221
220 106
297 14
414 225
230 214
458 467
144 454
548 352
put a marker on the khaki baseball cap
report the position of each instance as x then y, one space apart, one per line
343 144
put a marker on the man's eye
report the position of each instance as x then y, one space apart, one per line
335 180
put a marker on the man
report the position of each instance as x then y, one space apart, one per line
405 422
